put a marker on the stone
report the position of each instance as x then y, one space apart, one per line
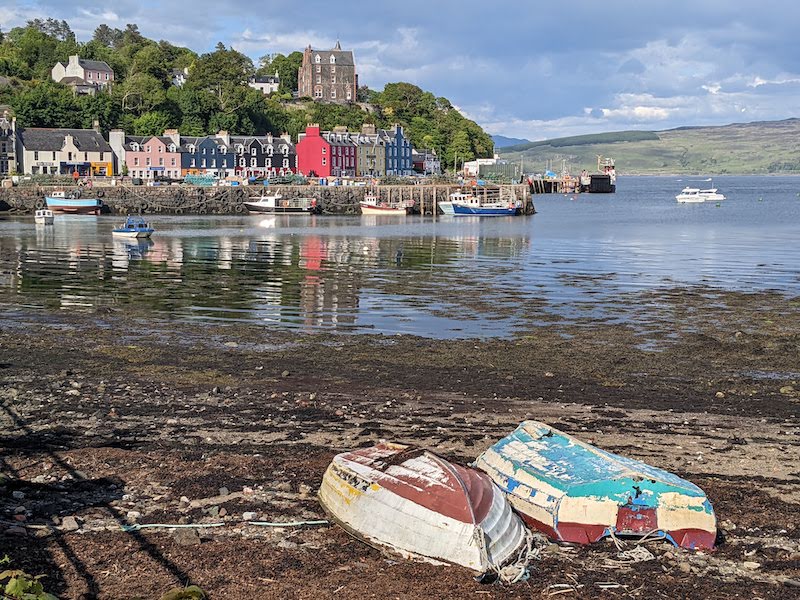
684 567
283 486
133 515
73 392
17 530
305 490
285 374
247 491
223 491
186 536
223 511
287 545
231 344
70 524
787 389
17 495
249 516
216 390
213 511
751 565
720 394
20 510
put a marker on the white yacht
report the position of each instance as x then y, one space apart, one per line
689 194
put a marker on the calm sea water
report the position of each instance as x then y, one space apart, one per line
445 277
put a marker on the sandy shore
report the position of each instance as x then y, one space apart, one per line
109 420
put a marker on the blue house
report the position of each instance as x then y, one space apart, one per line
208 156
398 152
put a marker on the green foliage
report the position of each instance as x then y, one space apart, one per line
19 585
216 96
191 592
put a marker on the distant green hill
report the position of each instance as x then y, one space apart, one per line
741 148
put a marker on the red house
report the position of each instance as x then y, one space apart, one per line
326 153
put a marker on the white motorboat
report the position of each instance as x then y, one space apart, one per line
43 216
691 195
276 203
372 205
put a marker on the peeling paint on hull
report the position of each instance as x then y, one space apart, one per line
417 505
575 492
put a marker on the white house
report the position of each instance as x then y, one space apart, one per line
84 76
267 85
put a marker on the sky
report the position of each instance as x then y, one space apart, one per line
533 70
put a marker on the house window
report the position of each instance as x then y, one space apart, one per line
349 95
204 151
333 78
161 149
333 93
317 59
319 78
285 150
90 74
193 163
191 149
333 59
203 163
106 76
324 150
213 162
333 68
319 69
253 151
35 155
147 149
135 147
318 92
101 156
54 155
172 162
160 162
222 149
270 149
252 162
136 161
324 161
242 162
269 162
147 161
285 162
85 156
172 147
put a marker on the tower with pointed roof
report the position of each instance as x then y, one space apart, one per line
328 75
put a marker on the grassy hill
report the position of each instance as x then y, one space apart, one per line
741 148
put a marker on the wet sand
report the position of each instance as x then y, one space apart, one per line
112 419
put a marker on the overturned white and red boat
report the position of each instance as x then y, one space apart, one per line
575 492
415 504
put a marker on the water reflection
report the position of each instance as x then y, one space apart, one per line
440 277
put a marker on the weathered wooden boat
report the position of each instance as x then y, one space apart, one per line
371 205
134 227
412 503
575 492
61 202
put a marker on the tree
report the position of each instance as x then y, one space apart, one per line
47 104
140 93
104 35
151 123
460 149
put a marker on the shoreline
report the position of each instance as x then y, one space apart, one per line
197 425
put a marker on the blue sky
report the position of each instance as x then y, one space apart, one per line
523 69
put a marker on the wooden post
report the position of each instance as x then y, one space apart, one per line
435 200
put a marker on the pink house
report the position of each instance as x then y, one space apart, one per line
149 157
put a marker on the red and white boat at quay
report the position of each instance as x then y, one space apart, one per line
413 503
372 205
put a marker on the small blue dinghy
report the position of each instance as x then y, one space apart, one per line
575 492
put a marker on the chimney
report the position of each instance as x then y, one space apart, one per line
96 125
173 135
223 135
368 129
340 129
312 129
74 61
269 137
286 137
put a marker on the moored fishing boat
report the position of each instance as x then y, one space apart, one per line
491 209
276 203
455 197
575 492
372 205
60 202
134 227
43 216
413 503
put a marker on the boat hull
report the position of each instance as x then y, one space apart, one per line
255 209
485 211
133 234
75 206
575 492
447 208
370 209
416 505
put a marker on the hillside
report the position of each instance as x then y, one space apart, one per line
741 148
501 141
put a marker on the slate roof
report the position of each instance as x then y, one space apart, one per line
247 140
342 57
87 140
267 79
95 65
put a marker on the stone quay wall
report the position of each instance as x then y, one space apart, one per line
128 199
